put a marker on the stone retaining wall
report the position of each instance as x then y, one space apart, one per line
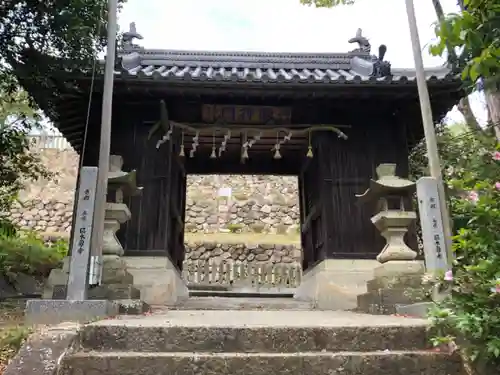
257 203
244 252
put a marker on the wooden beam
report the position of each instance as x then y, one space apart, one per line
258 164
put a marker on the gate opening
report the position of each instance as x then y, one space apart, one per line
242 234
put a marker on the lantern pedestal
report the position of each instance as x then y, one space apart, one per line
393 226
399 272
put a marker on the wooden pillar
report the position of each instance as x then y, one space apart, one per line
305 232
326 176
177 198
311 207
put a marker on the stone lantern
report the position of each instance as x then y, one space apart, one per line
116 281
399 271
392 219
120 185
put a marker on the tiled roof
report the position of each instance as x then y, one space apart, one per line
258 67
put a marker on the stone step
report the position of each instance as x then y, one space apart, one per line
323 363
242 303
239 294
203 286
161 338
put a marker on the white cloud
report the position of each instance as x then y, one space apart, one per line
279 25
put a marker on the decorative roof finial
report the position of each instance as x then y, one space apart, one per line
363 43
129 36
381 68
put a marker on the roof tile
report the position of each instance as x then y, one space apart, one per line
261 67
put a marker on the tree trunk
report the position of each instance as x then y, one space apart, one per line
464 104
466 111
493 103
439 9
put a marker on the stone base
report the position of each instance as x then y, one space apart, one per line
322 288
158 280
114 292
57 277
417 310
117 282
154 279
47 312
111 292
391 286
399 268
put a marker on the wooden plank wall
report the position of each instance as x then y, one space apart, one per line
339 170
346 168
147 229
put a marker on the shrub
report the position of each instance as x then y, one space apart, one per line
470 317
11 340
235 228
27 253
18 166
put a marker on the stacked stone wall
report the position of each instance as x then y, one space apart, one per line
239 252
261 204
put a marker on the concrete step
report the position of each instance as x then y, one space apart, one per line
242 303
212 287
323 363
255 331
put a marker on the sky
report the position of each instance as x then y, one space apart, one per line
287 26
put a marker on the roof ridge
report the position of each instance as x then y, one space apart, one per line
238 54
237 58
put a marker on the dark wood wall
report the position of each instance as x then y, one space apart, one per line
334 225
157 219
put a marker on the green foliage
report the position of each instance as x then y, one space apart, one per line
18 166
326 3
464 156
15 109
39 39
475 35
29 254
11 340
235 228
471 317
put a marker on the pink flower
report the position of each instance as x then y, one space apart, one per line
497 185
496 155
473 196
496 288
448 275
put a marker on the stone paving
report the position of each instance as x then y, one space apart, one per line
256 312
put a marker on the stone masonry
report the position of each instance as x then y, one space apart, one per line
261 204
243 252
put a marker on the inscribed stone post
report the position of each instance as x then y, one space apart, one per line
80 250
432 225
